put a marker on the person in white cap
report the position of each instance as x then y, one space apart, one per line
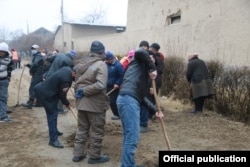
5 74
36 69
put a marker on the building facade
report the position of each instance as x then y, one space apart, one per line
216 29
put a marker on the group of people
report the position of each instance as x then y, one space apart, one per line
101 81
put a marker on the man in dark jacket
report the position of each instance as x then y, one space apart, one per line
49 92
36 69
132 93
58 61
115 75
201 83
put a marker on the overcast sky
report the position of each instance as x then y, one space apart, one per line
20 14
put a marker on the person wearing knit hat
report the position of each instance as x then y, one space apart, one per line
115 75
144 44
97 47
91 103
5 75
73 54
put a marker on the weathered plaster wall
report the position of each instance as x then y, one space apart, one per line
216 29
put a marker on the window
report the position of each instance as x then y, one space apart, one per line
175 19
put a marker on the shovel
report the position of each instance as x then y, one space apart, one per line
161 119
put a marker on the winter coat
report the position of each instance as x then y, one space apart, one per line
55 87
92 75
136 78
37 65
115 74
5 66
160 67
59 60
198 76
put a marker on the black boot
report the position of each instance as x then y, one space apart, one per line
37 104
28 104
56 144
101 159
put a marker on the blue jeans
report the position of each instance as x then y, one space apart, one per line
129 111
3 97
144 114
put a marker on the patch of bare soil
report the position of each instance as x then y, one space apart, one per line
24 142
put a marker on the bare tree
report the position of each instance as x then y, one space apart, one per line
97 15
4 34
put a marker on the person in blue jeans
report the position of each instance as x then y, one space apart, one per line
131 95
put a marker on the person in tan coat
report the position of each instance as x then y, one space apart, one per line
91 103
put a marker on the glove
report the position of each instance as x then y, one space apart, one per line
79 93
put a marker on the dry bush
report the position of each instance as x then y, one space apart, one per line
232 86
233 90
173 73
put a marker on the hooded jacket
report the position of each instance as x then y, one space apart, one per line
92 75
5 62
58 61
55 87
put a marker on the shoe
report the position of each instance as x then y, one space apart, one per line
56 144
101 159
37 105
6 119
9 111
59 133
60 111
195 111
27 105
114 117
78 158
143 129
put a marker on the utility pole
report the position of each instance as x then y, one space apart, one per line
28 31
62 26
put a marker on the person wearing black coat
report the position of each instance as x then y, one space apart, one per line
49 92
36 69
201 84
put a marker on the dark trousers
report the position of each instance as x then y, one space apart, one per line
199 102
112 99
34 80
144 115
52 124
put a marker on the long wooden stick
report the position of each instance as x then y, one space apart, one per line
19 85
161 119
110 91
73 113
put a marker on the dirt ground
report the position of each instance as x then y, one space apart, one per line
24 142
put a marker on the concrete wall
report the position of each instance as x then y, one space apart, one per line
216 29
